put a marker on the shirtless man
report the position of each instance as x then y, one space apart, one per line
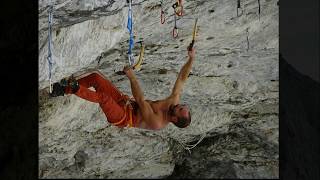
123 111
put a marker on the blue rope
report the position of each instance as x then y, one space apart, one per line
49 58
131 42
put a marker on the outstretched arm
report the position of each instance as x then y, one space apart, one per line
135 87
146 110
183 75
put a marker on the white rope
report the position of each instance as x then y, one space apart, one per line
49 58
189 147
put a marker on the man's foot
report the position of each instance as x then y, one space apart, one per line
74 84
58 88
65 86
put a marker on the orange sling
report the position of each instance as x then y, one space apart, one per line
127 110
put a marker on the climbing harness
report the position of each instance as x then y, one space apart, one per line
162 17
129 26
178 8
175 29
137 66
259 8
193 35
127 110
238 7
49 58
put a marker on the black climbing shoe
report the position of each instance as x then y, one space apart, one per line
58 88
73 83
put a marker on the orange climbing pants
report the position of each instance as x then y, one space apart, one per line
115 105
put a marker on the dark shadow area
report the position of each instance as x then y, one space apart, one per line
19 85
299 124
299 35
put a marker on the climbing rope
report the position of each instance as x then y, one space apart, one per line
188 147
49 58
162 17
129 26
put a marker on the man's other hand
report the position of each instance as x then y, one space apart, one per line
128 71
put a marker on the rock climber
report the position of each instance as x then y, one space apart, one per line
123 111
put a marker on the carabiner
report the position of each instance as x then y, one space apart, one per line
162 17
238 7
175 32
178 5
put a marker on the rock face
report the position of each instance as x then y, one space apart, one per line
232 90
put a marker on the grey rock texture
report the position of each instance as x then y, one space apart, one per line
232 90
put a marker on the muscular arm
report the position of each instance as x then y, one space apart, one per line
183 75
145 108
136 90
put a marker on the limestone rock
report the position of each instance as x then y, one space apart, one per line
232 90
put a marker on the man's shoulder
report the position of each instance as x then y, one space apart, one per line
166 103
173 99
167 100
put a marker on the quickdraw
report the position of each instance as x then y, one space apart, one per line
129 26
49 58
259 8
175 29
178 7
137 66
248 45
162 17
193 35
238 7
